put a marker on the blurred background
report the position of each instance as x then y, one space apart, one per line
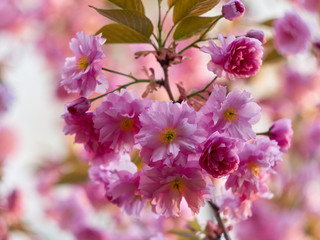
44 175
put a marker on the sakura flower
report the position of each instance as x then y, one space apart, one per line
125 193
233 9
220 155
167 186
82 73
291 34
257 34
85 233
117 119
281 131
236 58
256 161
169 130
233 114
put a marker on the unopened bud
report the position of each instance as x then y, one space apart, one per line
233 9
78 106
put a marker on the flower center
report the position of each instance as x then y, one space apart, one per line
231 114
127 124
168 135
254 169
82 63
177 185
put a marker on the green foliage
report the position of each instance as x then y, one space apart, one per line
132 19
184 234
118 33
192 26
135 5
187 8
194 225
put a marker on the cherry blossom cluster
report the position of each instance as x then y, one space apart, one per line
182 152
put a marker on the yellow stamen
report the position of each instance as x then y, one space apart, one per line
177 185
231 114
82 63
254 169
168 135
127 124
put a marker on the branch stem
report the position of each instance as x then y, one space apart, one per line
216 212
202 90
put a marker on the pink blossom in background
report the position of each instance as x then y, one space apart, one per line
5 98
117 119
256 161
86 233
291 34
233 9
233 114
165 187
236 58
220 155
82 73
281 131
9 13
169 130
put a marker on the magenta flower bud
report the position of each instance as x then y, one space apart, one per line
233 9
281 131
78 106
257 34
220 155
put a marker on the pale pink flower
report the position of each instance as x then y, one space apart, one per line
9 13
256 162
233 114
281 131
117 119
123 191
236 58
233 9
168 130
220 155
291 34
82 73
5 98
165 187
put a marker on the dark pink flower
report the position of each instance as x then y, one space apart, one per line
281 131
257 34
220 155
86 233
236 58
82 73
233 9
291 34
78 106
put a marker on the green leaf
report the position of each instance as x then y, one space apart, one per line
185 233
192 26
131 19
194 225
135 5
171 3
273 56
118 33
186 8
268 23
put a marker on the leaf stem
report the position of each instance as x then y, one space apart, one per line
202 35
120 73
119 88
216 212
202 90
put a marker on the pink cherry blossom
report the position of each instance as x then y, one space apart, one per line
291 34
117 119
169 131
281 131
78 106
220 155
236 58
233 9
233 114
257 34
256 162
82 73
165 187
